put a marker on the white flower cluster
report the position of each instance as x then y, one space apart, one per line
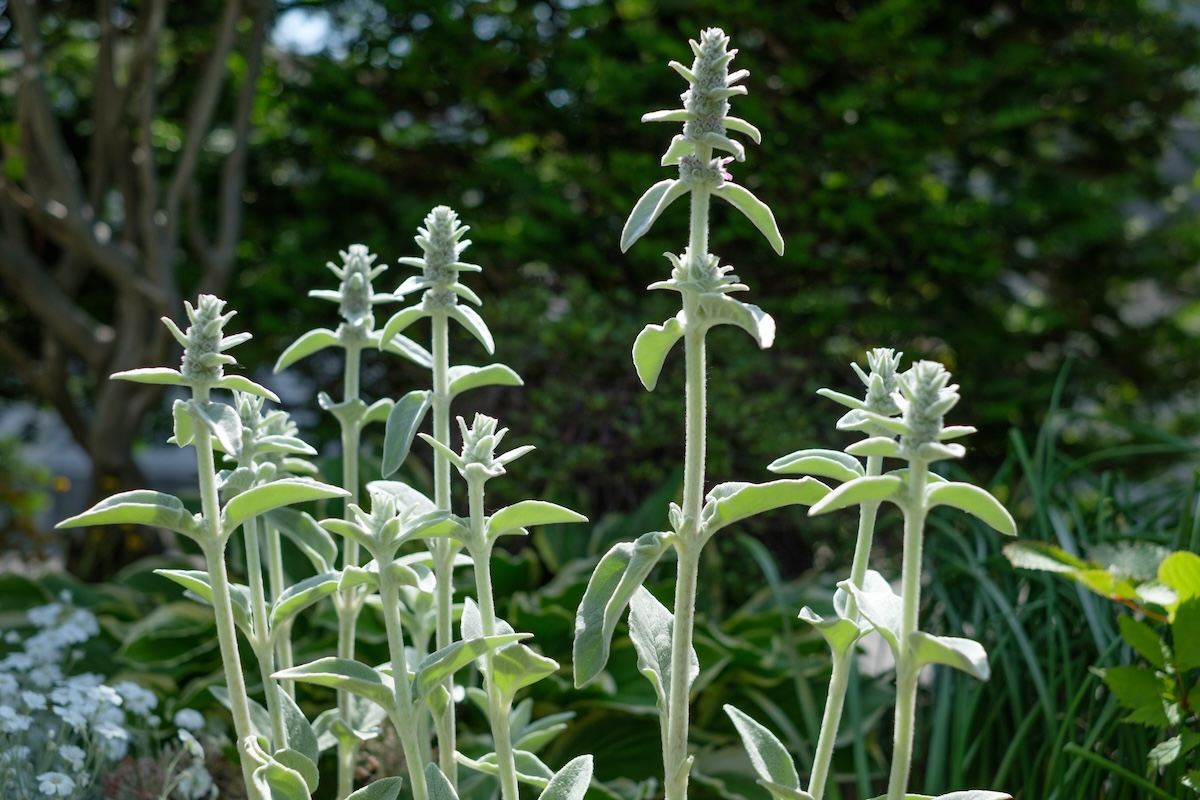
58 732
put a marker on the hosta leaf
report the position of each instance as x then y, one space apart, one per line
300 763
403 421
754 210
724 310
650 629
975 501
284 492
312 342
860 490
438 784
729 502
140 507
648 208
199 582
401 320
469 318
516 666
527 513
304 532
343 673
571 782
823 463
650 350
770 758
300 596
383 789
962 654
445 662
618 575
463 378
530 768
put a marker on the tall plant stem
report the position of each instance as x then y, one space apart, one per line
443 549
283 637
907 667
263 650
349 601
214 557
842 661
402 713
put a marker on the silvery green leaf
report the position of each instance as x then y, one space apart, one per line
403 421
975 501
469 318
840 634
239 383
651 347
164 376
883 446
670 115
967 794
537 734
650 629
530 768
386 789
312 342
184 430
283 492
299 763
301 737
724 310
140 507
678 148
825 463
648 208
770 758
571 782
741 126
275 781
300 596
438 784
199 583
895 425
962 654
260 718
954 431
882 609
720 142
440 665
401 320
618 575
859 490
528 513
406 496
405 347
344 673
729 502
755 210
378 411
844 399
516 666
463 378
292 445
354 532
224 423
936 451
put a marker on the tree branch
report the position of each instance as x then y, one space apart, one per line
143 157
105 111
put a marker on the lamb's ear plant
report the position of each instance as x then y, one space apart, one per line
207 425
663 637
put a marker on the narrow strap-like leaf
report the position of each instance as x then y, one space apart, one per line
648 208
824 463
651 347
303 531
445 662
859 490
403 421
300 596
399 321
724 310
755 210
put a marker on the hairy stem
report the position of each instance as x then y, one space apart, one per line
262 633
278 582
403 713
349 601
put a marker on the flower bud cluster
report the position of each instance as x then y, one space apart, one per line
442 244
882 381
925 396
707 99
204 346
702 274
695 173
356 274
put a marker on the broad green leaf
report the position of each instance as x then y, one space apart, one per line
962 654
724 310
882 608
973 500
450 659
300 596
516 666
438 784
651 347
199 583
469 318
755 210
304 532
312 342
1181 571
399 321
344 673
860 490
840 634
883 446
283 492
530 768
164 376
301 764
618 575
1185 633
770 758
300 735
384 789
527 513
729 502
140 507
648 208
834 464
571 782
402 423
1141 691
650 629
463 378
275 781
1144 640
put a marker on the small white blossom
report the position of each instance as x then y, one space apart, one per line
44 616
74 756
190 744
136 699
116 740
195 783
34 701
12 722
189 719
55 784
12 637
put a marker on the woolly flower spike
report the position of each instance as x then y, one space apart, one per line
354 295
478 456
882 383
442 242
702 275
204 357
925 396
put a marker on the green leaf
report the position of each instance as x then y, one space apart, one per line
770 758
463 378
1141 691
263 498
724 310
299 733
516 666
648 208
140 507
378 411
275 781
651 347
385 789
729 502
966 794
882 608
840 634
406 348
618 575
163 376
536 735
239 383
307 535
834 464
1181 571
300 596
438 784
571 782
962 654
343 673
1185 633
260 718
1044 557
883 446
650 629
860 490
401 320
528 513
403 421
439 665
977 502
312 342
1144 641
530 768
755 210
301 764
184 430
200 583
469 318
